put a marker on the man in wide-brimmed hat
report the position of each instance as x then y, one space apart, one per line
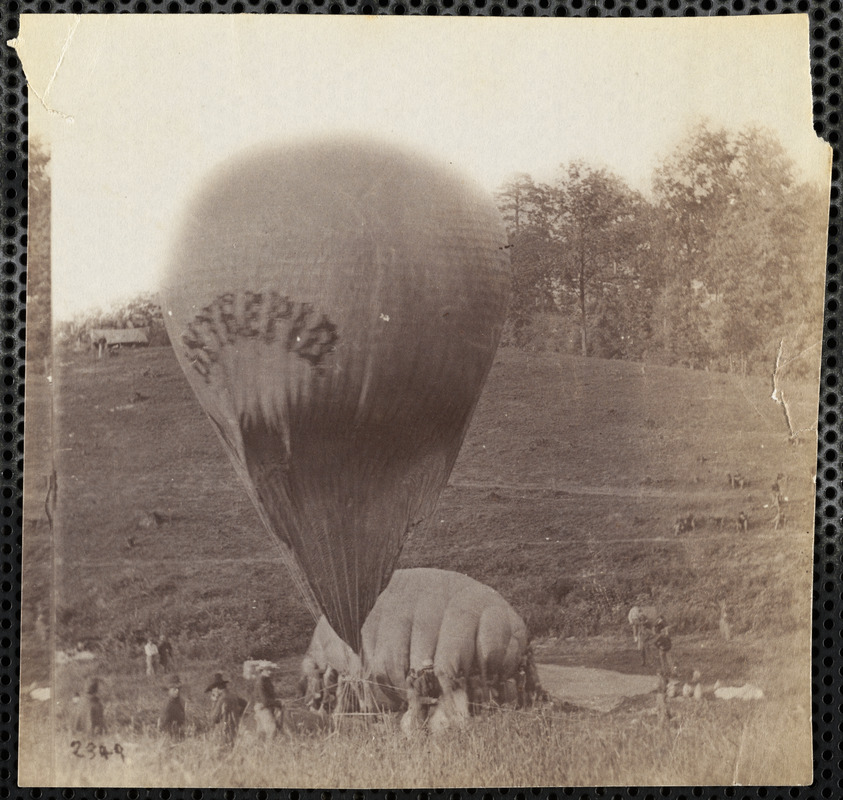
90 715
172 719
228 707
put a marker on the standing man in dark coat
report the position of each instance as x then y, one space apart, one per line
227 708
172 719
165 653
90 716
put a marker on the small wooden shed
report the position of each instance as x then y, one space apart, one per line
114 338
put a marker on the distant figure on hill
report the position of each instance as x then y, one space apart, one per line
736 480
662 643
742 522
269 712
725 625
641 620
684 524
99 346
780 507
645 641
172 718
150 651
90 715
227 709
165 653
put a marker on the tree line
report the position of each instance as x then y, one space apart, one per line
718 268
712 271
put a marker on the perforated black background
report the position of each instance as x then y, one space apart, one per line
828 608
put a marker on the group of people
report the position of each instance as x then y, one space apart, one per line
158 655
422 690
227 708
318 689
654 634
468 695
89 713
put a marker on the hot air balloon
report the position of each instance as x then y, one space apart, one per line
336 307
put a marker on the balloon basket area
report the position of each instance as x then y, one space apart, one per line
357 707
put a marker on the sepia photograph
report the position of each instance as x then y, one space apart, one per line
418 402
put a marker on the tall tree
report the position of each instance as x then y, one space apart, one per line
735 221
516 199
534 255
594 216
694 188
576 245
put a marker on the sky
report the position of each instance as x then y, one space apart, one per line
137 109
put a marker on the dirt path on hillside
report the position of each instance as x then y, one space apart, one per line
595 689
566 487
135 561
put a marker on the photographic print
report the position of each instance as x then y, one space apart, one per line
420 402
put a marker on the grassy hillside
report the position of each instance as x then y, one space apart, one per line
563 498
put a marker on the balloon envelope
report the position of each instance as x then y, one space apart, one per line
447 617
336 308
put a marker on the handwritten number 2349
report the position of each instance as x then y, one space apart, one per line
91 750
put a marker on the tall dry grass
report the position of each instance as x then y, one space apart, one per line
703 743
707 742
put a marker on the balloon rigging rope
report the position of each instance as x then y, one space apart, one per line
294 569
284 550
491 707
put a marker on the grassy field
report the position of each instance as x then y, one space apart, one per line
702 743
563 499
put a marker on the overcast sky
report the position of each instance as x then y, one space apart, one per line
141 107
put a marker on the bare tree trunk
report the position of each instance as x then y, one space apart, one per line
583 334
